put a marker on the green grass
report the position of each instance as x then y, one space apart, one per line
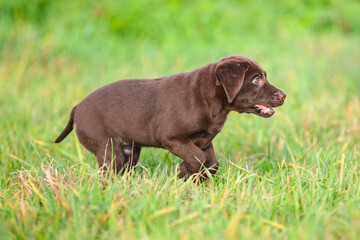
293 176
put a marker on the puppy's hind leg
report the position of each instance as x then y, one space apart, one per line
110 154
132 154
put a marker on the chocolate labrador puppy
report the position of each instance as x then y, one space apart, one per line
181 113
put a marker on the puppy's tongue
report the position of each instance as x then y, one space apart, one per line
265 109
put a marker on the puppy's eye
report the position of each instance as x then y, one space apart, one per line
256 81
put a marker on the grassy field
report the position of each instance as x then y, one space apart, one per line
293 176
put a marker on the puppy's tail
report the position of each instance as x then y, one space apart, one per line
69 127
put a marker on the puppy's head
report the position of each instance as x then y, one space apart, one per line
246 86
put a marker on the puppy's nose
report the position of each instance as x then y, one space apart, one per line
280 95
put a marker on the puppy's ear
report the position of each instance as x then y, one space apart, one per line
231 75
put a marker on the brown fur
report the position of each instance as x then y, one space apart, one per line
181 113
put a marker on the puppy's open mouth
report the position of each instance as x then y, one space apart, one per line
262 110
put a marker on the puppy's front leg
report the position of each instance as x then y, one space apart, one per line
211 163
193 157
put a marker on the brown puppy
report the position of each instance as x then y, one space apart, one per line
181 113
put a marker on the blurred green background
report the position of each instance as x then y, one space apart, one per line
54 53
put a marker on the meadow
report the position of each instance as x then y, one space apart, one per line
293 176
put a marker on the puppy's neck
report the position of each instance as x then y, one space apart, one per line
214 96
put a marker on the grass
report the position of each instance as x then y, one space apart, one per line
293 176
